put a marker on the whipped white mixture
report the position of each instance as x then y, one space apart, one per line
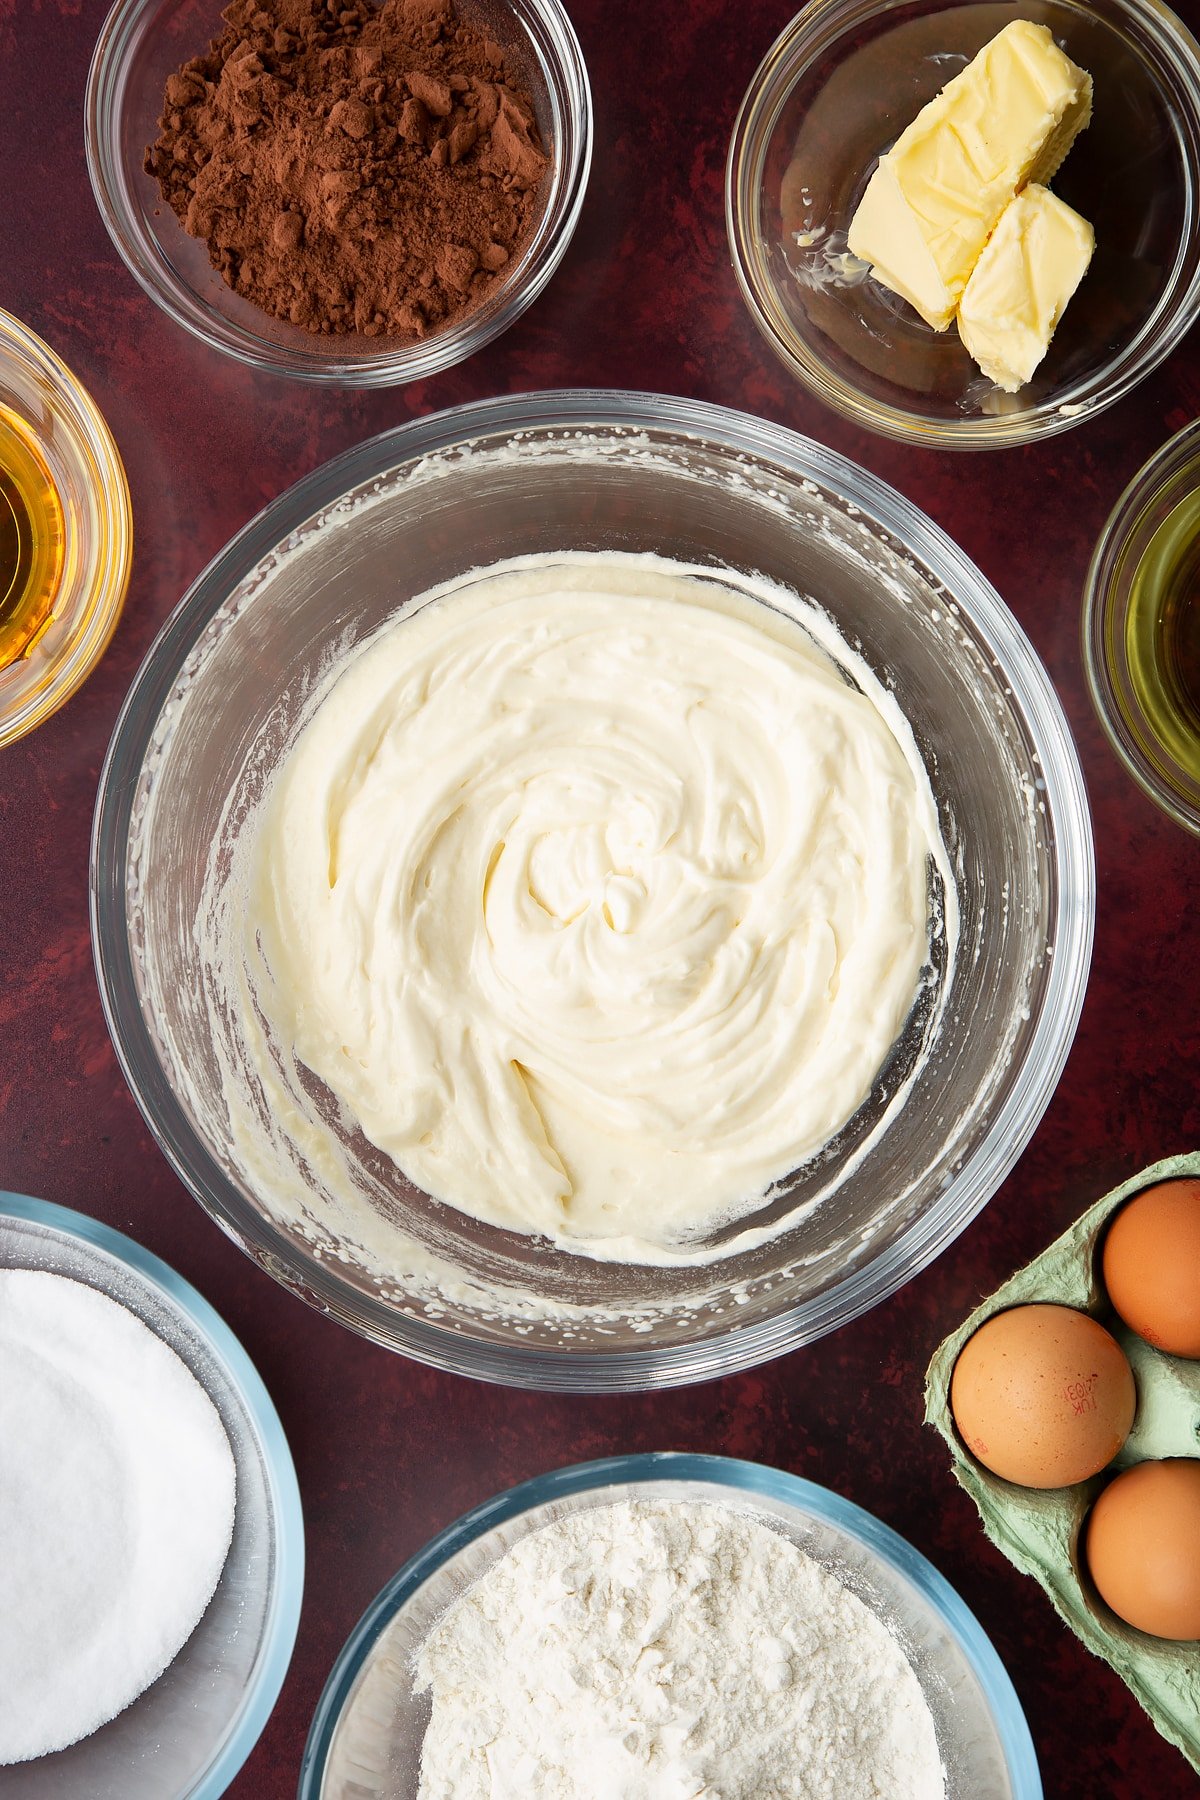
652 1650
597 894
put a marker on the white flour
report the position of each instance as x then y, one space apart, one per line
651 1650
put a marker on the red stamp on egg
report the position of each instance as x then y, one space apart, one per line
1080 1394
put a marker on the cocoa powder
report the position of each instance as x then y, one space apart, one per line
352 168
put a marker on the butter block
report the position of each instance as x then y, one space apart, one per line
1030 267
933 201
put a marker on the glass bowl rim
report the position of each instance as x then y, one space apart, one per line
91 443
261 1693
739 1346
737 1474
418 361
1100 598
813 29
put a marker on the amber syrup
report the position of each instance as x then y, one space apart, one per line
1162 634
31 541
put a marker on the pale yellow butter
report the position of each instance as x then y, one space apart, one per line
1008 118
1032 264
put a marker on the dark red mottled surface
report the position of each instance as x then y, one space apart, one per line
387 1452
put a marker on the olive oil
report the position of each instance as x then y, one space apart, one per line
1162 635
31 541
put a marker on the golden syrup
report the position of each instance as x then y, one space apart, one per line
1162 634
31 540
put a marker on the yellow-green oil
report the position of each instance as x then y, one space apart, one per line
31 540
1162 636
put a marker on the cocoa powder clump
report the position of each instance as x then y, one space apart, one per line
352 168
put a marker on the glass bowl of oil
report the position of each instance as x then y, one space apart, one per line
1141 627
66 533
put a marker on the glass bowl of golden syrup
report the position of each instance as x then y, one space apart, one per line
1141 627
66 532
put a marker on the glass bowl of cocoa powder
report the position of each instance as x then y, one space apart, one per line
360 196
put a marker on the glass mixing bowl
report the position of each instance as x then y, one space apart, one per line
834 92
187 1736
366 1735
348 548
144 41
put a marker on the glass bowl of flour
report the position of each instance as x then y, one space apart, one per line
190 1731
671 1624
592 890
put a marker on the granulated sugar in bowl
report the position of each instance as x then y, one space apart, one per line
153 1547
116 1509
221 700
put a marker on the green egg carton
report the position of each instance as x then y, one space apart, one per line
1040 1530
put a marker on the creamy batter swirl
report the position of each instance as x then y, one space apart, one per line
598 894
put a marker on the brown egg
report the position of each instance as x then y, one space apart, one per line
1152 1265
1042 1395
1143 1547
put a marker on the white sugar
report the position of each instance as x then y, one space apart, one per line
116 1509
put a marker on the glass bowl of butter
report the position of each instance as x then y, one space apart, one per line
582 912
967 228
